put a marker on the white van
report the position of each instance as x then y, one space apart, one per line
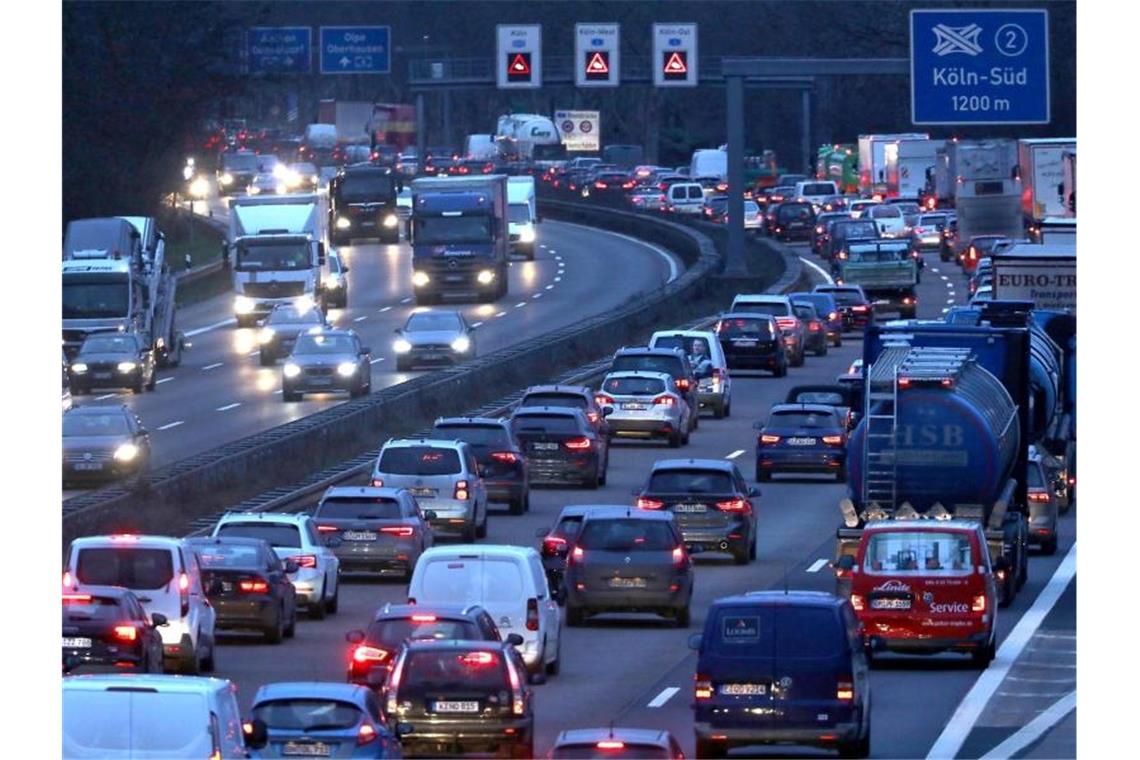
709 163
685 198
507 581
152 716
714 384
815 191
164 574
522 215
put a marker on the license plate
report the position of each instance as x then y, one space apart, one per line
453 278
359 535
456 707
321 381
89 465
690 508
76 643
428 492
743 689
801 441
102 375
890 604
227 586
306 749
635 406
628 583
545 446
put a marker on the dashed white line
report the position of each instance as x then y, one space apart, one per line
817 565
106 396
949 284
476 324
550 287
945 311
163 380
360 319
277 392
170 425
944 277
665 695
207 328
501 314
386 308
215 365
537 295
228 407
558 279
949 300
542 245
520 304
377 360
406 300
253 353
555 252
735 454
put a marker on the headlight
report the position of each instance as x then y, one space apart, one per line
419 279
291 370
315 179
200 188
79 368
461 344
346 369
280 171
127 366
391 221
126 452
303 303
254 190
527 234
485 277
227 179
343 223
243 305
265 335
332 282
402 346
282 189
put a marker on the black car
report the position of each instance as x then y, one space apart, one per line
281 329
821 232
325 362
828 310
561 446
369 528
576 396
106 629
248 585
501 459
463 696
628 560
673 362
113 360
815 329
791 220
802 438
854 306
752 341
374 650
362 203
710 502
842 230
103 443
556 542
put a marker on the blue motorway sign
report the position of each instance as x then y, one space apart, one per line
279 49
356 50
979 66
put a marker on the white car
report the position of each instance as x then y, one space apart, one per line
889 219
714 384
860 207
685 198
293 536
163 573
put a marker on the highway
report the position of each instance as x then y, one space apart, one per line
637 670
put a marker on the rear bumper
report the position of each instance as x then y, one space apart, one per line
815 461
356 556
436 737
909 643
635 426
554 471
232 614
756 361
823 736
602 599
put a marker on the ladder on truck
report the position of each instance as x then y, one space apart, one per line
880 410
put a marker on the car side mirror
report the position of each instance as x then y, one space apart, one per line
256 733
753 491
344 269
403 729
320 253
355 636
157 619
366 350
541 532
695 642
291 566
607 410
515 639
757 425
215 588
846 562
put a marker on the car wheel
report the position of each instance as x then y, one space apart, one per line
781 371
981 658
276 632
711 749
742 555
138 387
683 617
1049 546
192 665
674 440
685 439
481 529
575 617
518 505
728 409
332 605
290 396
208 661
469 534
841 474
357 390
554 668
267 359
153 381
752 548
822 351
694 419
763 476
605 471
859 748
799 362
719 411
317 610
291 627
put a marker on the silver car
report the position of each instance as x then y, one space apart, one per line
444 478
645 405
327 362
433 338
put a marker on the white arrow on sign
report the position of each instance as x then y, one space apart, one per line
344 61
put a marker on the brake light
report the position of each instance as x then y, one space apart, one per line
326 528
518 704
602 399
257 586
845 691
550 545
508 457
979 604
734 505
365 735
600 185
578 444
682 383
860 307
532 614
644 502
857 602
461 492
679 556
607 744
377 483
394 686
184 594
813 326
126 632
786 323
127 537
79 598
423 618
403 531
1041 497
577 555
363 654
664 401
832 315
478 659
833 440
765 438
306 560
67 579
702 687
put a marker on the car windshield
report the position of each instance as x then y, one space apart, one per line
627 751
1034 477
419 460
91 607
303 714
288 314
798 419
95 424
626 535
691 481
532 424
986 244
805 311
395 631
240 162
110 344
228 555
818 188
442 230
647 363
885 212
572 400
129 567
757 307
486 436
305 170
932 219
870 252
854 230
794 212
799 632
848 297
429 321
736 327
359 508
277 534
518 212
357 188
822 303
633 386
272 256
96 296
451 670
919 552
820 397
324 344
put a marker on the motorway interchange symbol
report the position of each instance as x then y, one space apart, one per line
957 40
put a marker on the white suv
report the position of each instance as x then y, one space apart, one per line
163 573
293 536
714 385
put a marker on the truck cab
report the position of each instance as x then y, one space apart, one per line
362 203
886 271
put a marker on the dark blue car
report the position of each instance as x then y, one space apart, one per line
780 667
802 438
317 719
828 309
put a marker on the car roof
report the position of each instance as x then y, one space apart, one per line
438 443
690 464
568 389
682 334
147 681
414 645
297 518
893 525
478 551
803 407
347 692
89 409
363 492
336 332
663 376
548 410
128 540
838 288
631 735
473 421
618 512
92 589
759 298
424 608
575 510
746 315
226 541
780 598
645 351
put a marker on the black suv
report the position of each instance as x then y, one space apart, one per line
107 627
501 460
362 204
854 306
673 362
752 341
561 446
710 501
577 396
470 696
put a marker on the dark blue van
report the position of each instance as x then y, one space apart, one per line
778 667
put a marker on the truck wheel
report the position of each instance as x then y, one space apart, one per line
290 396
519 505
393 238
908 313
822 350
267 359
153 381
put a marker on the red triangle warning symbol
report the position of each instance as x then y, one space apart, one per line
520 64
676 64
598 64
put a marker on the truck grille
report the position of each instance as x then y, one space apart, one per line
274 289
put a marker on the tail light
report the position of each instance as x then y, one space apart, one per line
644 502
682 383
857 602
602 399
478 659
253 586
550 545
702 687
841 255
377 483
327 528
67 582
365 735
363 655
394 687
765 438
734 505
126 632
507 457
979 604
973 253
680 558
578 554
908 301
664 400
401 531
184 594
920 230
813 326
860 307
77 598
833 440
832 315
845 691
600 185
532 614
1041 497
610 744
578 444
786 323
461 492
518 702
308 561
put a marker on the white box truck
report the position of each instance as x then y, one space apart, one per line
522 215
1041 169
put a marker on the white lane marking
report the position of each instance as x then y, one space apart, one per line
966 716
949 284
207 328
253 353
170 425
949 300
817 565
376 360
1040 680
550 287
1067 636
735 454
163 380
951 293
944 277
556 253
500 314
106 396
673 270
360 319
386 308
228 407
537 295
277 392
406 300
558 279
476 324
818 268
520 304
1032 730
215 365
665 695
945 311
542 245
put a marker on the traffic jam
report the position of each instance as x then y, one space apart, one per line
765 518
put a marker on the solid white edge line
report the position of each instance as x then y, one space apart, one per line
106 396
170 425
819 269
1033 730
817 565
360 319
215 365
207 328
228 407
673 271
386 308
962 722
734 454
376 360
163 380
665 695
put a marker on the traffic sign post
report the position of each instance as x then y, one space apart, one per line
979 66
279 49
597 55
356 50
519 57
675 55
